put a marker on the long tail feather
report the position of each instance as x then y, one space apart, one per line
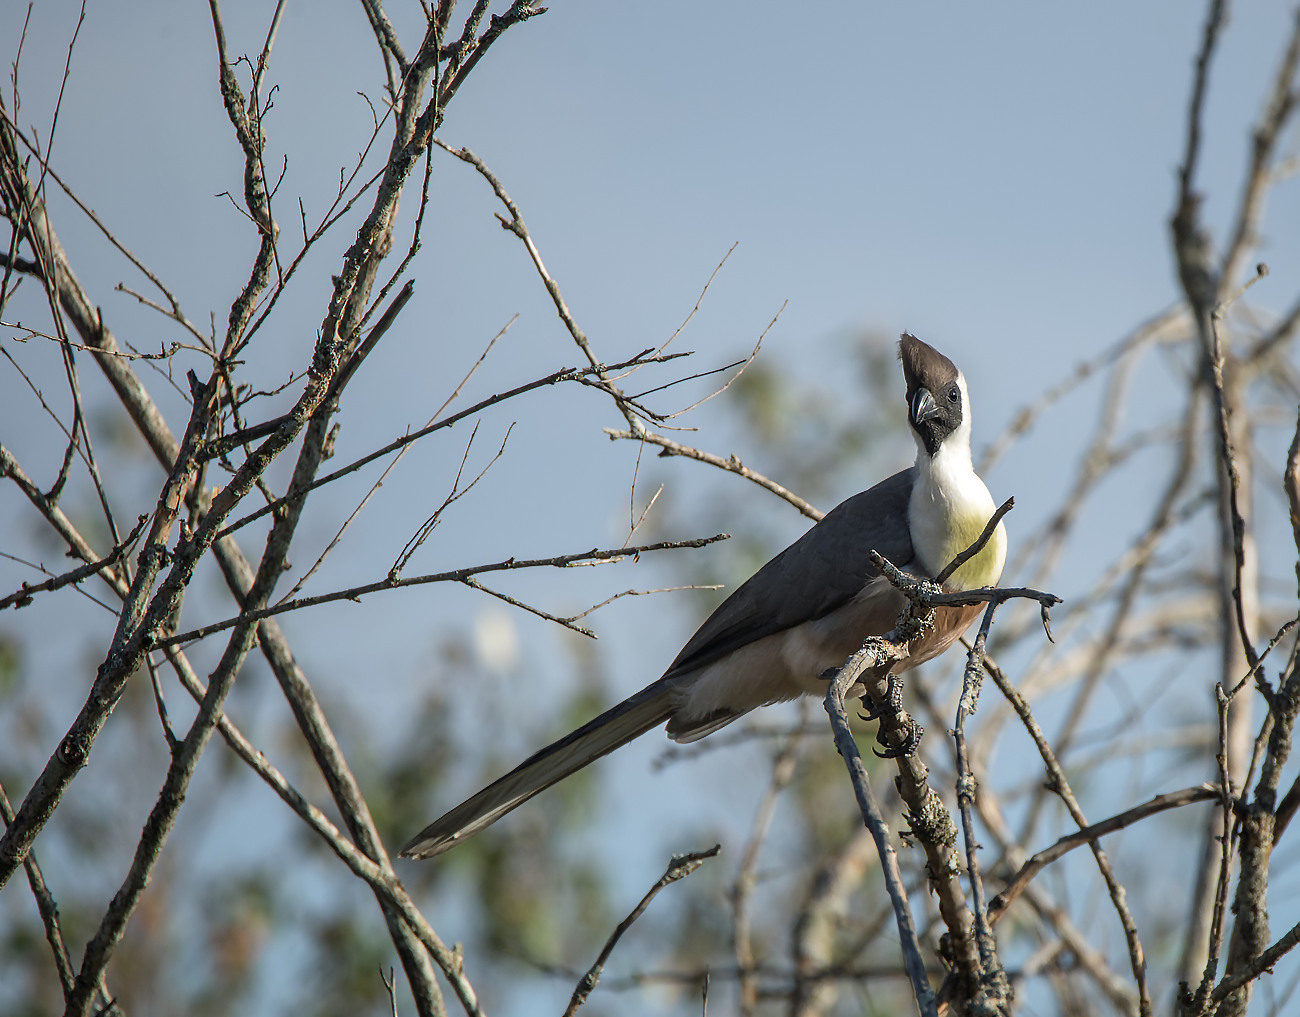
617 726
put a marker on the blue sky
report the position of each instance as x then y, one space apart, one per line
997 178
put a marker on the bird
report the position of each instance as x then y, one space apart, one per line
802 614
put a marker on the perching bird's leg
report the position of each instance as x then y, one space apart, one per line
909 743
892 703
891 706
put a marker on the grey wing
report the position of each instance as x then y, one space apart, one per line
822 570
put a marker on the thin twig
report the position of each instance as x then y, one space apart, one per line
985 536
994 991
1229 459
1017 884
783 769
873 818
1227 803
731 464
46 907
555 377
24 596
640 593
1257 965
1279 107
698 300
1058 784
454 495
453 576
678 868
732 380
164 352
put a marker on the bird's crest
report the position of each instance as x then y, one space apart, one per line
924 366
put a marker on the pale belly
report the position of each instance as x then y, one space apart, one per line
788 664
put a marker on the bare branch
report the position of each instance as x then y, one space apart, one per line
954 907
730 381
680 867
49 910
519 12
1279 107
164 352
985 536
993 993
731 465
457 492
1229 461
1086 835
1257 965
698 300
564 374
24 596
115 578
640 593
1191 245
515 225
454 576
742 889
1058 784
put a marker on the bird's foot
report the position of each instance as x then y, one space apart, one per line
891 704
908 746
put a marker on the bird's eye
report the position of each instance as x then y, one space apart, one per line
954 394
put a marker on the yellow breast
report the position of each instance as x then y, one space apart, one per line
985 569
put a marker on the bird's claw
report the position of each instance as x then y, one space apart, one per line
892 706
913 739
893 701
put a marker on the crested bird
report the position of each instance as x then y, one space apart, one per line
804 612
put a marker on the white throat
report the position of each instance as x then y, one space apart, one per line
949 508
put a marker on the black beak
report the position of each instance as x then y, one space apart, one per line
923 407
